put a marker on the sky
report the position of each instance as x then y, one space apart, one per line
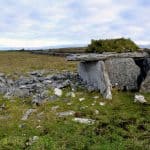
36 23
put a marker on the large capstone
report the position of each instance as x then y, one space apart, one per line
123 73
95 75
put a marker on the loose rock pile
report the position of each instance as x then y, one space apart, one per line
36 85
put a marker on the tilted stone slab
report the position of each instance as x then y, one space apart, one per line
94 74
104 56
123 73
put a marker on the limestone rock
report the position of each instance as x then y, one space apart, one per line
145 86
58 92
66 113
27 114
139 98
123 73
95 75
84 120
104 56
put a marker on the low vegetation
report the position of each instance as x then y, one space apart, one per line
119 123
112 45
22 62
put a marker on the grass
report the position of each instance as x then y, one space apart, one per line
22 62
121 124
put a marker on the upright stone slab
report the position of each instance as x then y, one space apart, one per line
145 86
123 73
95 75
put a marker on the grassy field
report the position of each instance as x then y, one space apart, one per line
22 62
120 124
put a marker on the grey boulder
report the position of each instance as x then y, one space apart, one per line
123 73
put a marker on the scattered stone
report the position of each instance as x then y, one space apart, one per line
3 107
93 104
73 95
37 99
22 126
84 120
37 73
32 140
47 82
70 94
58 92
38 127
96 97
96 112
81 99
66 113
83 107
54 108
102 103
27 114
139 98
69 103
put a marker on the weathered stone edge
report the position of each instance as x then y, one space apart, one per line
96 57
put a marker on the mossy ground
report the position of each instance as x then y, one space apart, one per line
121 123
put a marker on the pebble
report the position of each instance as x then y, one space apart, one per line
81 99
58 92
84 120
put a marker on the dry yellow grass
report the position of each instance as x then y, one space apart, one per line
21 62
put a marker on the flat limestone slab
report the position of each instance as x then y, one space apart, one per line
104 56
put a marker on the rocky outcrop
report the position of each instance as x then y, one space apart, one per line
123 73
36 85
95 75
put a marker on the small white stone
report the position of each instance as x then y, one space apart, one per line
93 104
96 112
38 127
102 103
96 97
66 113
116 84
27 114
69 104
81 99
73 94
139 98
58 92
84 120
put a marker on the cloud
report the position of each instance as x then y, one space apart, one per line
51 22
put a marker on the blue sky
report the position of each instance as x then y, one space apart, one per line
26 23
